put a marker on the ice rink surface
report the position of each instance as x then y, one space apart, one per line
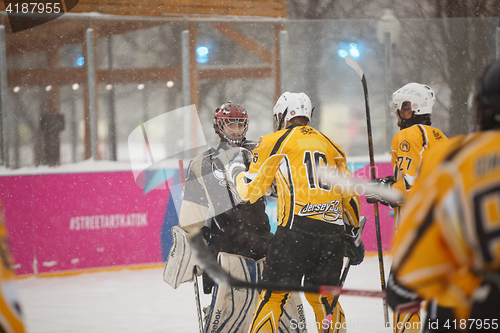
138 301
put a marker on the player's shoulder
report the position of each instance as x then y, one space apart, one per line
332 144
447 149
249 144
416 134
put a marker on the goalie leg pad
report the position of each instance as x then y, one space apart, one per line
293 318
180 261
232 308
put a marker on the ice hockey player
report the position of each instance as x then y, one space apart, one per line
11 320
446 248
413 107
239 233
313 216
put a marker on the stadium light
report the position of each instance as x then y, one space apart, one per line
202 53
351 49
80 61
75 86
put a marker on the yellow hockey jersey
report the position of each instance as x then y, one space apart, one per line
449 231
290 158
407 152
408 149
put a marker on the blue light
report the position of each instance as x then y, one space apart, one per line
202 54
342 53
354 50
80 61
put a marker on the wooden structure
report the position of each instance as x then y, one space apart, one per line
41 39
269 8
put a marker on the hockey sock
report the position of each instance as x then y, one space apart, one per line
321 305
268 312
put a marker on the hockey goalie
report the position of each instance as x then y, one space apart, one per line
237 233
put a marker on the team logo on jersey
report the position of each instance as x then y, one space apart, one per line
331 211
306 130
404 146
437 135
219 174
255 157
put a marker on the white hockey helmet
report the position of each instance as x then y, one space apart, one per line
294 104
419 95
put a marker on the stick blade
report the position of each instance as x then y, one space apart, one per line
354 65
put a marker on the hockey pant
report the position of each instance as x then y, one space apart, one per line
272 305
232 308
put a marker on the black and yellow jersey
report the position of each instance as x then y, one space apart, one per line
408 148
449 233
290 157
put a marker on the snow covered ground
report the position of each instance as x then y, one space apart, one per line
138 301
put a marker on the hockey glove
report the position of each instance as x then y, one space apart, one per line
237 164
354 248
400 299
379 183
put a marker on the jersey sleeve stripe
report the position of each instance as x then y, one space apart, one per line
280 141
424 137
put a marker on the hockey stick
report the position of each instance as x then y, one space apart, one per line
357 185
195 277
342 278
220 276
352 63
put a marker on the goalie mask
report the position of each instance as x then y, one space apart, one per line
488 98
291 105
231 123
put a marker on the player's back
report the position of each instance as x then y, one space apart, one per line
301 190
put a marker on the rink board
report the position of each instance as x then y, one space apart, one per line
60 222
78 221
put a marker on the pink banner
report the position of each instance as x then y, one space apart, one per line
82 220
386 216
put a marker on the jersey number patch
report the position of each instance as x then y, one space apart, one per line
312 161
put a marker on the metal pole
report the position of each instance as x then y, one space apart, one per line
73 127
111 111
186 83
498 43
283 40
89 41
388 87
4 135
186 89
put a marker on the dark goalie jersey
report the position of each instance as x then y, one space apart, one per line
238 228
